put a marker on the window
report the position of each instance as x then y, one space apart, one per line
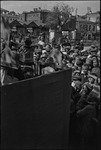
89 27
89 37
81 26
93 27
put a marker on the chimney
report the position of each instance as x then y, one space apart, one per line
39 8
35 9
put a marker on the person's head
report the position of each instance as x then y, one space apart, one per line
98 53
76 50
98 80
94 95
93 51
43 57
36 48
92 77
66 47
57 48
81 41
95 62
70 53
79 63
5 32
85 68
48 48
76 77
42 38
86 89
64 55
91 80
77 85
89 62
28 42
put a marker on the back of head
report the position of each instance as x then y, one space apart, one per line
5 30
28 42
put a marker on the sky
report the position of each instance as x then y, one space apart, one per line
20 6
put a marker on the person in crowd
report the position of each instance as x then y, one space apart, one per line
45 58
81 45
84 73
41 41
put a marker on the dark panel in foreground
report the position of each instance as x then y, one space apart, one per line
35 113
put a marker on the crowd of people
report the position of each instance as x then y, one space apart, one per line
20 61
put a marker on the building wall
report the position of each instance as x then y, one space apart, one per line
93 16
10 17
87 29
21 17
33 17
37 16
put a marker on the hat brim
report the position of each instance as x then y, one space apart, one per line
92 76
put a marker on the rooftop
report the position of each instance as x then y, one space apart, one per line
4 10
92 13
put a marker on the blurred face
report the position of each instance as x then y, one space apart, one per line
79 68
98 80
85 69
71 54
93 53
47 48
91 80
42 38
43 58
83 90
88 61
95 63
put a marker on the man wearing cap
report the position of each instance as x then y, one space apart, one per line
76 86
66 46
81 45
91 78
26 54
84 73
78 63
93 51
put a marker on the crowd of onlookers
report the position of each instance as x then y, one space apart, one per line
38 59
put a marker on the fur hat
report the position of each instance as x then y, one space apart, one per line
28 41
92 75
93 50
79 62
76 77
96 71
88 86
71 51
78 84
95 91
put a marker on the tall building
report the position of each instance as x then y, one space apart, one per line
38 15
93 16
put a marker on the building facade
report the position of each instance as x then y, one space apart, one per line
85 29
37 15
10 15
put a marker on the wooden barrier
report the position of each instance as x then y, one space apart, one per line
35 113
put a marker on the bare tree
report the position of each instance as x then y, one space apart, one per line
58 16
